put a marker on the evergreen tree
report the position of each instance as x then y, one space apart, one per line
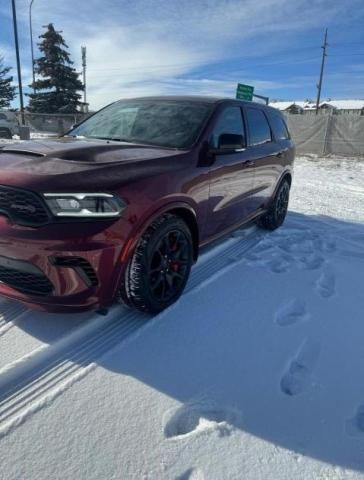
57 89
7 91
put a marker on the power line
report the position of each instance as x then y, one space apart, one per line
347 54
339 45
156 68
202 63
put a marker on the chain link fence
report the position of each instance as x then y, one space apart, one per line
322 134
52 124
328 134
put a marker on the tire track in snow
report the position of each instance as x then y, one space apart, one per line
35 382
10 313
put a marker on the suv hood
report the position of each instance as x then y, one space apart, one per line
85 150
34 163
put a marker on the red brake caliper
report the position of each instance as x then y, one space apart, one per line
174 266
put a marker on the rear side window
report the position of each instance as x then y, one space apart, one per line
278 125
229 121
259 129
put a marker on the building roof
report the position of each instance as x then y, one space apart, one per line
283 105
286 105
339 104
345 104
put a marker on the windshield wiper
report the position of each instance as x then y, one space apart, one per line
113 139
73 136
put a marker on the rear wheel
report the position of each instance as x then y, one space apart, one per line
277 212
160 266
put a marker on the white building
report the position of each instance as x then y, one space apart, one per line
355 107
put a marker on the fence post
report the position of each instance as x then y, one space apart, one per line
60 127
326 137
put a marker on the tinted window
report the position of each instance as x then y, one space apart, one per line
278 126
230 121
3 116
259 130
170 124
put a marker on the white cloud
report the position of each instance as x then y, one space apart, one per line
154 47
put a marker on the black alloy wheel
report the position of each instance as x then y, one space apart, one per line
159 268
277 212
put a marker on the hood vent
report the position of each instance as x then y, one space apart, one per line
19 151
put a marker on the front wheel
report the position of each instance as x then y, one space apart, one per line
160 265
277 212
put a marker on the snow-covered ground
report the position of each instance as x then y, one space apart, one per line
256 373
33 136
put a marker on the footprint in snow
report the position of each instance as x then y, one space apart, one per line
325 245
329 245
292 312
312 262
325 284
297 246
355 425
195 418
278 265
192 474
299 373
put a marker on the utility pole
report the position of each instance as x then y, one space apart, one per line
83 52
18 63
319 86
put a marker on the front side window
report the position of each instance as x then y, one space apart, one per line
161 123
229 122
259 129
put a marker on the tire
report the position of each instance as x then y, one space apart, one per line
277 212
159 268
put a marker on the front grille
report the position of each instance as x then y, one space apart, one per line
25 282
82 267
23 207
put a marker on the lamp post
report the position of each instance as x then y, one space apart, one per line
18 63
31 40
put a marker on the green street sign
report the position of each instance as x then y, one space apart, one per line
244 92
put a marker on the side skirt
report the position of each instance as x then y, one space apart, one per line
225 232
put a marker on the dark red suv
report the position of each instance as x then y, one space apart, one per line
119 207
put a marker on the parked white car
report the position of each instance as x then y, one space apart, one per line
9 125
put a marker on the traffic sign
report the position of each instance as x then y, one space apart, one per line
244 92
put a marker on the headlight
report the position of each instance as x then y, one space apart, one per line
84 205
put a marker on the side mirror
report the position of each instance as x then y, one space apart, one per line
228 143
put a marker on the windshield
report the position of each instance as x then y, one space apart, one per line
162 123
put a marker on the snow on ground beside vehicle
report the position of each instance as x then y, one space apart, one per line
255 373
33 136
329 186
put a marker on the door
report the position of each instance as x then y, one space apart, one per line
265 153
231 177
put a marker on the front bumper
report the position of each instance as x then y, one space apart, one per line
79 272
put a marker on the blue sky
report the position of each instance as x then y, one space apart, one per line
201 47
